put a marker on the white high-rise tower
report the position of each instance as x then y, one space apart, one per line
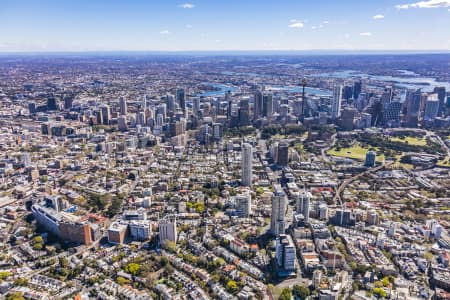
277 218
336 102
246 164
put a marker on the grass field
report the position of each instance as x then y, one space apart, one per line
355 152
416 141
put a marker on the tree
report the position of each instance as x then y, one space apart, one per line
63 262
170 246
286 294
21 282
381 293
232 286
122 281
4 275
164 261
133 268
428 256
301 291
15 296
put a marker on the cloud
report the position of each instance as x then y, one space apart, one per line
164 31
425 4
316 27
325 22
378 17
189 26
365 34
296 24
187 5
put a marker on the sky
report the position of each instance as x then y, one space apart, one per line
166 25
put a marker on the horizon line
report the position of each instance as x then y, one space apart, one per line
231 52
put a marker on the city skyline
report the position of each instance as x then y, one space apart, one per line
400 25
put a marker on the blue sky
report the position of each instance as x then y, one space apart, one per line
99 25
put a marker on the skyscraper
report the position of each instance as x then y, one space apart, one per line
268 105
106 114
52 103
246 164
336 102
68 102
357 87
244 112
283 154
181 99
413 106
123 106
440 91
277 218
257 105
431 107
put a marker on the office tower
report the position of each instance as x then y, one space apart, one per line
123 106
279 205
387 96
285 254
357 88
98 117
52 103
347 92
361 101
217 105
175 128
371 157
441 92
244 113
348 118
68 102
170 103
162 109
229 101
391 116
431 107
283 154
247 164
244 204
298 107
413 107
268 105
106 114
32 108
257 105
196 106
140 118
284 110
144 103
181 99
168 229
122 123
336 102
217 131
